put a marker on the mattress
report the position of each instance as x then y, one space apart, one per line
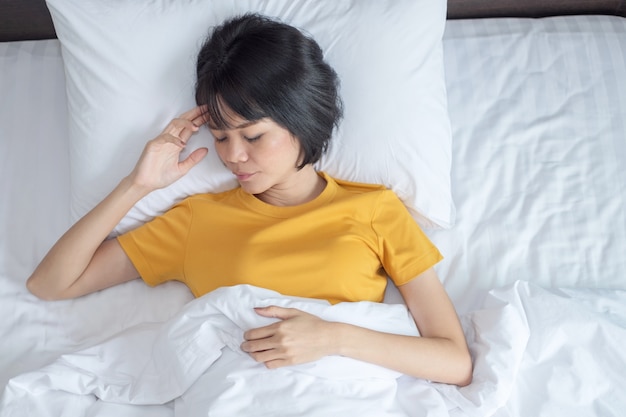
535 263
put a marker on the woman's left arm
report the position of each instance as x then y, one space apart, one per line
440 354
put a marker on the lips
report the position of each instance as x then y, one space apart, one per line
243 176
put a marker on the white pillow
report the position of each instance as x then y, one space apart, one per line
130 68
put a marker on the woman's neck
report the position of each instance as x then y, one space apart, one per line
303 186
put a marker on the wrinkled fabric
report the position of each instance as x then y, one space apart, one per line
532 350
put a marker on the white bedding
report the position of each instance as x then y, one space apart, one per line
538 113
192 366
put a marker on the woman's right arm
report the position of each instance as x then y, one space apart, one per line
83 261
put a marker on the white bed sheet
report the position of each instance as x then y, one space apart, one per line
538 180
538 112
34 181
34 212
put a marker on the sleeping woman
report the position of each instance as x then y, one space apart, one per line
271 103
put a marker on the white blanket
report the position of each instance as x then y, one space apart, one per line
568 343
195 359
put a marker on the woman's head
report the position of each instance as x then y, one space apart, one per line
258 68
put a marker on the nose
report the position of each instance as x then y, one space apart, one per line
235 150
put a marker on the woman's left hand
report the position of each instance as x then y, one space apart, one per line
298 337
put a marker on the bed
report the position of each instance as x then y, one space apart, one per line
534 244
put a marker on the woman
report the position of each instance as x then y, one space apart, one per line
271 104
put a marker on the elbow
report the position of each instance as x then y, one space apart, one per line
32 284
465 378
459 368
35 287
465 370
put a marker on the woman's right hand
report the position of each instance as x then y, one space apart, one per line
83 261
159 164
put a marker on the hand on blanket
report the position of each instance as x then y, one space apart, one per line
297 338
159 165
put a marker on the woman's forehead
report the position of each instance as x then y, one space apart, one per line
221 116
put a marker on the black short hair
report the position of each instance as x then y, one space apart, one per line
260 67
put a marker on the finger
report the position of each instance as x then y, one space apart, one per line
203 116
282 313
186 134
201 120
256 346
166 138
193 159
260 332
198 116
181 127
273 358
193 113
268 356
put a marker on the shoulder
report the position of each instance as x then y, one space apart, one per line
208 198
377 193
190 206
354 187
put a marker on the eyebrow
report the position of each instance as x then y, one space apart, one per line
241 126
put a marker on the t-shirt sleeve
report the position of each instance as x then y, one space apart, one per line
157 248
405 251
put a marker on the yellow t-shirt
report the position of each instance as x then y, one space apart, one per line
339 246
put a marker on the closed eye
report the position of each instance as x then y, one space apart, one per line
220 139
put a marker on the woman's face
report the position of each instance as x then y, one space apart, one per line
261 154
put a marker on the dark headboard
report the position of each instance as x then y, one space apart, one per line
472 9
25 20
29 19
